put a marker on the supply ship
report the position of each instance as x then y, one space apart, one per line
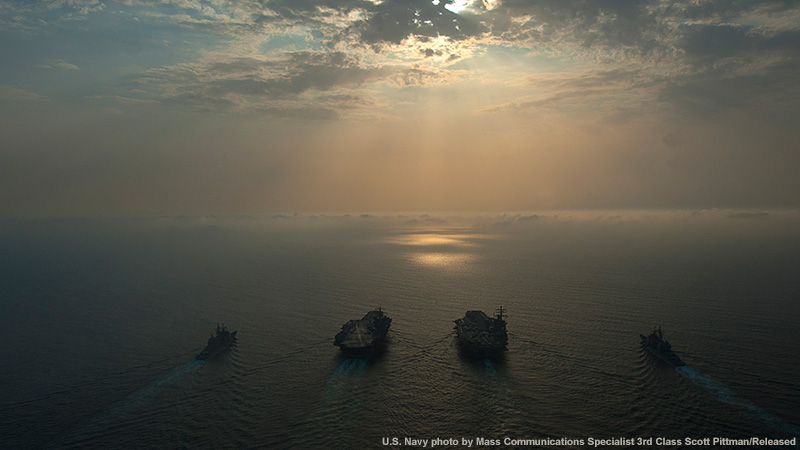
481 336
218 343
656 345
363 338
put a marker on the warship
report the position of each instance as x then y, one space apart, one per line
656 345
481 336
218 343
361 338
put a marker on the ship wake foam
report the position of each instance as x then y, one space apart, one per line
727 396
148 393
118 412
350 366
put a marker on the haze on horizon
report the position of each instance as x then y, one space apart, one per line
139 107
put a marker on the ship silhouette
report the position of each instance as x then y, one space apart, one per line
481 336
217 344
363 338
657 345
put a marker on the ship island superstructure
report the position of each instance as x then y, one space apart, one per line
481 336
658 346
217 343
363 338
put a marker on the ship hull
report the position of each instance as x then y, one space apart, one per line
474 352
480 336
364 338
672 359
209 353
204 355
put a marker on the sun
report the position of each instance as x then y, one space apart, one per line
456 6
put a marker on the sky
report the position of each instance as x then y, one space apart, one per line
140 107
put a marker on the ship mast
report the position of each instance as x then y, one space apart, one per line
500 312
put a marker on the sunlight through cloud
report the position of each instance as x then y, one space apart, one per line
458 5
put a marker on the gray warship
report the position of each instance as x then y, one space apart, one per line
218 343
481 336
656 345
363 338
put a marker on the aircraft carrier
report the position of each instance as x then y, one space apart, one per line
363 338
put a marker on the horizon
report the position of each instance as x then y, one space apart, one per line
583 213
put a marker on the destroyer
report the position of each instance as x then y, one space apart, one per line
656 344
481 336
360 338
218 343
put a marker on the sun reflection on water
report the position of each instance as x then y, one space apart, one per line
441 259
445 248
438 238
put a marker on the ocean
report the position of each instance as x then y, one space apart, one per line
101 319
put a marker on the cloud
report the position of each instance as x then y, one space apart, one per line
770 88
684 47
680 48
394 21
278 84
66 66
568 223
419 75
630 87
314 84
59 64
14 93
749 215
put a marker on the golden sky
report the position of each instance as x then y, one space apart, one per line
139 107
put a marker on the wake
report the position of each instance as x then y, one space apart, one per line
147 394
123 410
727 396
347 370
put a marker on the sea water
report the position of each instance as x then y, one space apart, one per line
100 320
